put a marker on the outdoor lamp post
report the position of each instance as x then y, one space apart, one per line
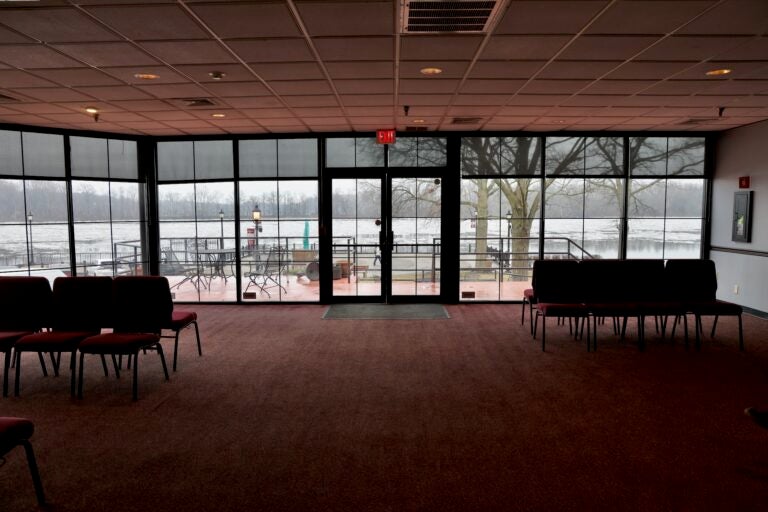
221 220
256 216
509 231
31 249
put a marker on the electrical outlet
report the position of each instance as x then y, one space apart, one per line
735 289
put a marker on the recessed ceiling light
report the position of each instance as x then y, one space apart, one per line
430 71
218 116
719 72
418 121
217 75
146 76
92 110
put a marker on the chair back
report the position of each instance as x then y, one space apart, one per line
25 303
691 280
141 304
558 281
644 280
82 303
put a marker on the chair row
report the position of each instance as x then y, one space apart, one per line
90 315
592 289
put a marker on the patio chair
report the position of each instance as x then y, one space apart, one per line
170 265
80 310
267 274
16 432
180 320
141 306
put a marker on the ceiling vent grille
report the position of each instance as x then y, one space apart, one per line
462 16
416 128
196 102
695 121
466 120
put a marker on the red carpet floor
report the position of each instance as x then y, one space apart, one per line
289 412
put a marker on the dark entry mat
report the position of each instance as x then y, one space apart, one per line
386 312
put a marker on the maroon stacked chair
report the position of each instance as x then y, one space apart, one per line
141 307
559 290
81 307
695 282
25 303
16 432
529 297
180 320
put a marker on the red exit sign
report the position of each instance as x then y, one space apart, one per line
385 136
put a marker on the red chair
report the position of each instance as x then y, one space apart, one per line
180 320
559 290
141 306
16 432
25 303
80 310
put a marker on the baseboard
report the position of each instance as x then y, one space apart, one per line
755 312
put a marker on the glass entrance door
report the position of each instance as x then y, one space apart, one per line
386 237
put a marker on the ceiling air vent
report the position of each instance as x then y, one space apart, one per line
466 120
695 121
196 102
416 128
431 16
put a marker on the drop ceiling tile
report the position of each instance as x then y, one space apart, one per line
505 69
590 100
376 100
267 113
607 48
481 99
555 86
278 122
731 17
627 111
691 48
210 130
170 115
347 18
115 93
54 94
232 72
576 111
183 125
120 117
230 114
618 86
272 50
740 70
452 69
235 89
72 117
329 128
300 87
738 87
127 74
449 47
108 54
11 79
637 70
39 108
425 112
541 100
745 101
153 22
288 71
517 110
504 87
34 57
548 17
429 86
324 121
473 111
164 91
77 77
684 87
189 52
311 101
11 37
362 111
650 120
647 16
144 125
143 105
56 25
424 99
504 126
751 49
380 121
26 119
577 70
523 47
255 102
233 123
603 121
365 87
515 120
246 130
163 132
355 49
319 112
369 69
263 19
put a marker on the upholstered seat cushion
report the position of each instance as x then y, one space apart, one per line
8 338
181 319
528 293
117 343
52 341
12 430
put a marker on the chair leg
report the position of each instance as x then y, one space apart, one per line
135 375
104 365
543 332
34 471
80 380
714 326
197 335
42 364
176 349
6 369
17 381
641 332
530 315
522 317
162 360
741 336
72 372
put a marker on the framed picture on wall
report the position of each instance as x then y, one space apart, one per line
742 217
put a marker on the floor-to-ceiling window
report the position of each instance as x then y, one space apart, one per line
666 197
